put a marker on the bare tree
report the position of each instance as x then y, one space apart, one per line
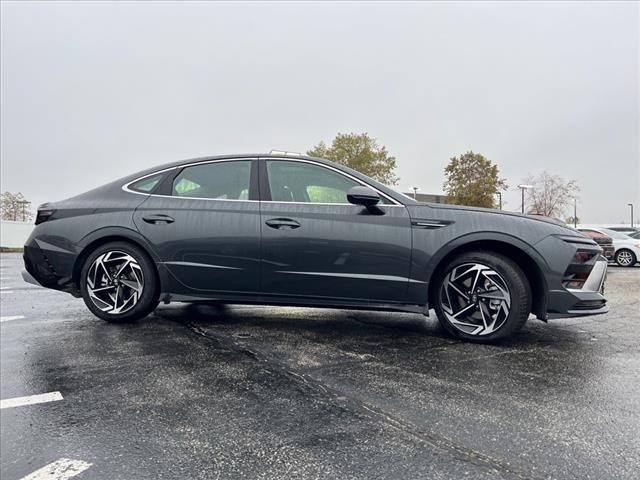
13 206
551 194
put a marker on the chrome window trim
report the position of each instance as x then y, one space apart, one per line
126 188
382 205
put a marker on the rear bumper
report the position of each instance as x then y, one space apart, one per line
588 300
49 267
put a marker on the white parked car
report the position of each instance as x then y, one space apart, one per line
627 249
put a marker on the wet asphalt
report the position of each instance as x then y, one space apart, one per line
260 392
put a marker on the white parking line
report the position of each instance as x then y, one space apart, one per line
59 470
8 319
30 400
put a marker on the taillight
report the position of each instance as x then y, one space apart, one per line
44 215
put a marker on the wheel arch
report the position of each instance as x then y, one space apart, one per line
531 263
107 235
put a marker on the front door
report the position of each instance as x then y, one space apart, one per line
317 245
206 227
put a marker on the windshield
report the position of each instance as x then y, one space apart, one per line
614 234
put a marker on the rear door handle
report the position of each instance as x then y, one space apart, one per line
158 218
282 223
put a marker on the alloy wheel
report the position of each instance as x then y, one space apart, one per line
624 258
115 282
475 299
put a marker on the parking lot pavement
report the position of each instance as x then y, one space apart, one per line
262 392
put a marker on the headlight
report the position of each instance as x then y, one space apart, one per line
579 268
44 215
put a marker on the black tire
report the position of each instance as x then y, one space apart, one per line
625 258
145 301
499 269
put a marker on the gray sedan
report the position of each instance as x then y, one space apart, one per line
294 230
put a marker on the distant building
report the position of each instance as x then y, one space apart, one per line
428 197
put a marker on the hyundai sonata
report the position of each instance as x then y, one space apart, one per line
294 230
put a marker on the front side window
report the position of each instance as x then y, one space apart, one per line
292 181
218 180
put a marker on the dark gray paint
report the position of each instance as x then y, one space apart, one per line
338 251
340 255
211 245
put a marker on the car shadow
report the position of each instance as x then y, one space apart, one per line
327 343
328 324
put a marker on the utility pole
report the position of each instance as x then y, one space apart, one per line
522 189
631 205
575 219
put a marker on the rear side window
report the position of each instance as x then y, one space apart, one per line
218 180
148 184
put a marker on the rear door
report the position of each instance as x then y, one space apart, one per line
205 225
317 245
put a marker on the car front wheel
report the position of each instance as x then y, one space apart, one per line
118 282
625 258
482 297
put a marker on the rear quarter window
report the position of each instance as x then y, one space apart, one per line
147 184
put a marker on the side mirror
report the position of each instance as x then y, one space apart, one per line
363 196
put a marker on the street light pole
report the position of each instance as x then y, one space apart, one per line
523 188
575 220
415 191
631 205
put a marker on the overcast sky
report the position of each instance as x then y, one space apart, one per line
94 91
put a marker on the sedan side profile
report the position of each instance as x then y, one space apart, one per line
295 230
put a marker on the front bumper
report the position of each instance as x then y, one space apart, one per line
588 300
27 277
608 252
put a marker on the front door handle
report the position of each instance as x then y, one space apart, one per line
158 218
282 223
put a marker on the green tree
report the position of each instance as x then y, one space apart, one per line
471 179
360 152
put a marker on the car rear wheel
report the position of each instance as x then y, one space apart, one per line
625 258
482 297
118 282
